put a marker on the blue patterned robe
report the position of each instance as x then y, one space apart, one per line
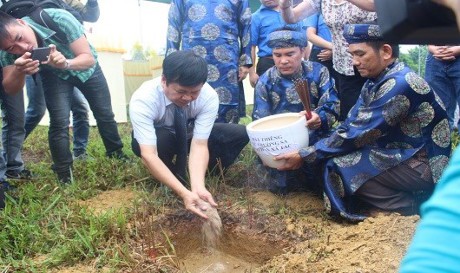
219 31
396 116
275 94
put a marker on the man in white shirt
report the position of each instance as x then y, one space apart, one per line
152 112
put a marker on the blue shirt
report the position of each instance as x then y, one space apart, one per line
263 22
322 30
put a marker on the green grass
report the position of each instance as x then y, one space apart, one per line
45 226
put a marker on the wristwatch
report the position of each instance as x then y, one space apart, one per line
67 64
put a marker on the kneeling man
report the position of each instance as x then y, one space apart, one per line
176 111
395 142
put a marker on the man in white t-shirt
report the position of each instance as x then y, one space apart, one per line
152 113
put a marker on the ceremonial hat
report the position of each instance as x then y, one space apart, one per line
361 33
287 38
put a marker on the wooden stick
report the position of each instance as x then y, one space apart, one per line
301 87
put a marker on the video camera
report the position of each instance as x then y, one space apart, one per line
416 22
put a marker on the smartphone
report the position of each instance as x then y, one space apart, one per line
40 53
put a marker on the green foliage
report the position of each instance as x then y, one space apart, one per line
138 53
415 59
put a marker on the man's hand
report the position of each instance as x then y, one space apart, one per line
292 161
26 65
444 53
315 121
56 59
205 195
242 72
253 78
325 55
193 203
284 4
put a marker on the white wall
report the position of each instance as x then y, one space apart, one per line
111 64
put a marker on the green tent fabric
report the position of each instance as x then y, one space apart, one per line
254 4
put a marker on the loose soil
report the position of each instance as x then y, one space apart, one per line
268 233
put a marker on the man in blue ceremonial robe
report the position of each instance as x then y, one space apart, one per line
395 142
218 31
275 91
265 20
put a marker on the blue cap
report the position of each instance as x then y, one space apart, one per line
361 33
287 38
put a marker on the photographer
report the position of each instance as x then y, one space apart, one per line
70 65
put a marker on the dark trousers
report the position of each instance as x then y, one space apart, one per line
58 97
328 64
349 88
2 197
400 188
263 64
225 144
13 129
242 103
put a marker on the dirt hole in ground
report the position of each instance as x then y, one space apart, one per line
241 248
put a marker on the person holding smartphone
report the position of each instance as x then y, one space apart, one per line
14 132
72 64
36 107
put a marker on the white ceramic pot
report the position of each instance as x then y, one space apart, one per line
277 134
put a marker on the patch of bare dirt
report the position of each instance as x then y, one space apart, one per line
81 269
374 245
110 200
268 233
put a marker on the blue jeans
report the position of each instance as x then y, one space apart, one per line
36 109
12 131
2 165
80 109
58 97
444 78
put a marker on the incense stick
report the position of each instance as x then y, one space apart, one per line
301 87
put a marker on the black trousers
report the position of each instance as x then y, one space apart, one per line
225 144
400 188
242 101
263 64
349 88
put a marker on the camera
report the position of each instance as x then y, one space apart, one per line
416 22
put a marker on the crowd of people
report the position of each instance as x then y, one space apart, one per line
379 133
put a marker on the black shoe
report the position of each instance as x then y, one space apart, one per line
19 175
83 157
6 186
119 155
65 177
